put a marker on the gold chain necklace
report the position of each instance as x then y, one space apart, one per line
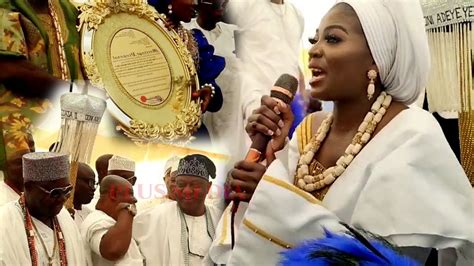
308 182
59 37
50 258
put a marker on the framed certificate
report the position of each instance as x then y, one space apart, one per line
146 70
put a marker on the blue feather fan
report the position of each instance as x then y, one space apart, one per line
345 249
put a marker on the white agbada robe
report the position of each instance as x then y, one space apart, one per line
221 125
94 227
405 185
7 194
221 37
158 233
268 45
14 246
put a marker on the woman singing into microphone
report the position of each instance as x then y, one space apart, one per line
374 162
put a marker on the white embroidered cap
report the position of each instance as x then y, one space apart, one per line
121 163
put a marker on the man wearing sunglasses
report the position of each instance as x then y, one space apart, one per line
36 229
107 231
123 167
83 193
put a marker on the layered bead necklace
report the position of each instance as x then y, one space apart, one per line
310 183
31 230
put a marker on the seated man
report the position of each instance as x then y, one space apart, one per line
107 231
84 192
181 232
36 229
123 167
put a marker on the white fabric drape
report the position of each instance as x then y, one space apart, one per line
405 185
268 44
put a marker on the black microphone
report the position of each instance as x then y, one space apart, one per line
283 91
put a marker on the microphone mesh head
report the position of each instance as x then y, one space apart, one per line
287 82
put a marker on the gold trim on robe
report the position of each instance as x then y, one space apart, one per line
266 235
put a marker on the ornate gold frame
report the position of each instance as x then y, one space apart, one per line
176 118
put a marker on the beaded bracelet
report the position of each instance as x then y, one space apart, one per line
213 89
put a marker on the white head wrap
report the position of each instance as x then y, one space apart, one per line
121 163
172 164
395 32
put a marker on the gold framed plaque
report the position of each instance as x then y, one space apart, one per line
146 70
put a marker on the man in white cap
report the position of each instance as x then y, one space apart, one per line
123 167
171 167
181 232
107 231
169 177
36 229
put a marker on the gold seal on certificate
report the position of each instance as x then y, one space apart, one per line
146 70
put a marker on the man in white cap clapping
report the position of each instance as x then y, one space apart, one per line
36 229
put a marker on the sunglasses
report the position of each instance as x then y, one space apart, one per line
57 192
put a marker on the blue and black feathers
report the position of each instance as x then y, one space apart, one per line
346 249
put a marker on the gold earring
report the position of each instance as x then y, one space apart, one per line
372 75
